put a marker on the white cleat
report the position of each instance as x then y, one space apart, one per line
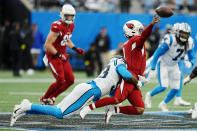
84 111
163 107
180 102
109 110
148 100
19 111
194 112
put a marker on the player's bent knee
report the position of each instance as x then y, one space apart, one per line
140 110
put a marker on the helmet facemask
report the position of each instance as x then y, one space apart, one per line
182 32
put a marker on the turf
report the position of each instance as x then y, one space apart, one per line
13 90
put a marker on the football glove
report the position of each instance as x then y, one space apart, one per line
151 74
188 64
139 84
61 56
142 79
186 80
79 50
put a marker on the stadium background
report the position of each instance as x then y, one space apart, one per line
87 26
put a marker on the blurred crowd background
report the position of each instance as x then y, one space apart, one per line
24 25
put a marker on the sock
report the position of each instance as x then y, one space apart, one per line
130 110
92 106
117 109
170 95
46 110
178 94
157 90
51 89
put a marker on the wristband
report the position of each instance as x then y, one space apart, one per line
57 54
74 48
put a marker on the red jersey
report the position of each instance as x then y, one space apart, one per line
65 32
134 52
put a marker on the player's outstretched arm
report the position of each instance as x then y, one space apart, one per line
147 31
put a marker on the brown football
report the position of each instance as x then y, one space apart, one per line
164 11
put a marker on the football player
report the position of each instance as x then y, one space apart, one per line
104 84
135 55
56 43
169 53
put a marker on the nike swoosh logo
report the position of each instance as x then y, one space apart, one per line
17 110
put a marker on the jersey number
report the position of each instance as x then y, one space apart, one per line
104 72
65 40
180 52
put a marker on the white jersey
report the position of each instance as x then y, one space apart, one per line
109 78
176 51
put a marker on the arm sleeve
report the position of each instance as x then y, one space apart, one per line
159 52
145 34
122 70
191 56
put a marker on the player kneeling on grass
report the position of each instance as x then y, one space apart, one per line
83 93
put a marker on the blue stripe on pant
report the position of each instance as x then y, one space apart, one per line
95 91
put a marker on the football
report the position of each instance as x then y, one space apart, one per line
164 11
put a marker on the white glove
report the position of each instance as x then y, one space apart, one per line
188 64
151 75
139 84
143 79
186 80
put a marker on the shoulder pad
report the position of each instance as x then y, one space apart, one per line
55 26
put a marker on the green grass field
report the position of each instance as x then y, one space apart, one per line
13 90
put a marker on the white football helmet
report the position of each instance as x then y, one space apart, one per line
132 28
182 31
65 13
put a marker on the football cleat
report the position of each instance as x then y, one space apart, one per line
19 111
47 101
84 111
148 100
43 101
51 101
163 107
109 110
180 102
194 112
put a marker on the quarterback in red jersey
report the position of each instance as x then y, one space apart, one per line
56 43
135 54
